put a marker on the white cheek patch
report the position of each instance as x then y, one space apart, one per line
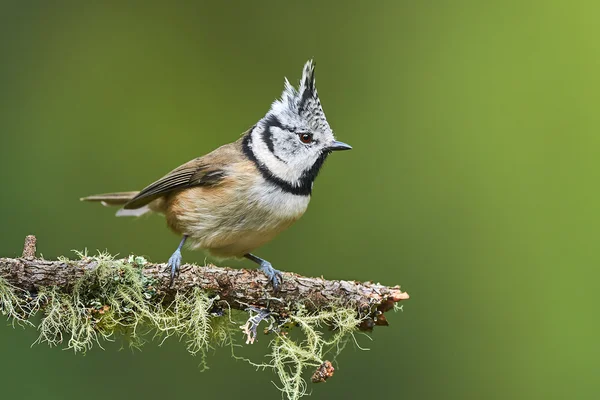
284 147
277 167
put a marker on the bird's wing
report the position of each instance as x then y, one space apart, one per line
202 171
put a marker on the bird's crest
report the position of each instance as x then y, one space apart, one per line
303 101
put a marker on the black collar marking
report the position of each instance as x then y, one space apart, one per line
267 134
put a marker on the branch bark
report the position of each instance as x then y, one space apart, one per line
240 288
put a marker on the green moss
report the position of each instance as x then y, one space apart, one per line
116 299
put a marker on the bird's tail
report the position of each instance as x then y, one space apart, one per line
118 199
111 199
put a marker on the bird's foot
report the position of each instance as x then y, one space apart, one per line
275 276
174 264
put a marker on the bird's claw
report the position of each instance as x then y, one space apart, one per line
174 264
275 276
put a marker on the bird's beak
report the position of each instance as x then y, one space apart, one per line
336 146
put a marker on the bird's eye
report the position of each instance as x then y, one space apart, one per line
305 137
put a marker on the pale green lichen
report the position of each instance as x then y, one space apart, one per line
290 355
116 298
13 304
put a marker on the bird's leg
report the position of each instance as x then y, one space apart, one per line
175 260
275 276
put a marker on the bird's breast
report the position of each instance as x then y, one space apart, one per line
235 219
280 204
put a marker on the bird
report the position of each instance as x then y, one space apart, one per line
241 195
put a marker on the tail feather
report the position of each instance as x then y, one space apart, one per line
118 199
111 199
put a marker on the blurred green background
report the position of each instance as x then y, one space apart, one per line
473 181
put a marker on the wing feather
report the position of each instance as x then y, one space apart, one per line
194 173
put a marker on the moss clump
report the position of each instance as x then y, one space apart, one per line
117 298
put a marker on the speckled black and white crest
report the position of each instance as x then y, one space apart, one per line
304 101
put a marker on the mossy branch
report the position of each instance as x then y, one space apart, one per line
94 297
240 288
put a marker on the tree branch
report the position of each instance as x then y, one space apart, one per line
95 297
240 288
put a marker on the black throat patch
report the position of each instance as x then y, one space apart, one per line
305 183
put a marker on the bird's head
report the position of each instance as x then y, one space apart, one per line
293 140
